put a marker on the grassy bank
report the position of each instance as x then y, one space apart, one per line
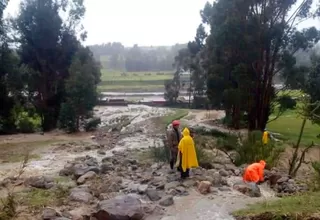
134 81
178 114
293 206
289 125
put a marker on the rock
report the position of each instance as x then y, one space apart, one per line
153 195
273 178
189 183
223 172
171 185
133 187
142 188
204 187
41 182
282 180
106 167
249 189
89 175
224 189
101 152
216 178
81 169
91 161
120 208
48 214
80 195
166 201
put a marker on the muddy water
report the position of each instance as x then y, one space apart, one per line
51 161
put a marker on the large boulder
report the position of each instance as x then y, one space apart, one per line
249 189
41 182
126 207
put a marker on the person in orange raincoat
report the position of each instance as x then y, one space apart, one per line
255 172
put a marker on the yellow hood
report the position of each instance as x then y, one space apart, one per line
186 132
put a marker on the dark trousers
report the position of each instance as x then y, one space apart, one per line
173 158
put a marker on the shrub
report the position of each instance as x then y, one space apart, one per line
26 123
160 154
67 118
92 124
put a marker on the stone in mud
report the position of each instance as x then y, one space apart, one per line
81 169
166 201
189 183
41 182
80 194
249 189
142 189
216 178
91 161
204 187
126 207
89 175
273 178
48 214
101 152
106 167
282 180
153 195
224 189
223 172
172 185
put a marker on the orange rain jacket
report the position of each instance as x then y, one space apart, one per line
254 172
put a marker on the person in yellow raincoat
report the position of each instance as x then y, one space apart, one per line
265 137
187 154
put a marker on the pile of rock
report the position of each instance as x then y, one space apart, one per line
138 187
283 183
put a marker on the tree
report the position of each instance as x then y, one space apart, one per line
249 43
47 44
9 78
81 90
172 89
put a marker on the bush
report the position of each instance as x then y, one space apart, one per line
316 181
92 124
160 154
26 123
252 150
67 118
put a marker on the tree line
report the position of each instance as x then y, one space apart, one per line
249 44
47 77
114 56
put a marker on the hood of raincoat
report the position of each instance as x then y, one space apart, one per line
186 132
263 163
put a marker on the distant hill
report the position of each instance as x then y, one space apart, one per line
114 56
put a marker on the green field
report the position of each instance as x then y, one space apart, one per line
293 206
289 124
134 81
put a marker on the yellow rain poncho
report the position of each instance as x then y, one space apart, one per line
265 137
188 151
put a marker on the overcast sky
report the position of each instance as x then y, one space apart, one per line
142 22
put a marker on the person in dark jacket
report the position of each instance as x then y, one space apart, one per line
174 136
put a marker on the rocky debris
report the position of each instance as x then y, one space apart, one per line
48 214
204 187
80 194
41 182
121 207
89 175
249 189
153 195
80 166
283 184
166 201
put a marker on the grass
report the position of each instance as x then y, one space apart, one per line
289 124
36 199
298 205
130 88
178 114
134 81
